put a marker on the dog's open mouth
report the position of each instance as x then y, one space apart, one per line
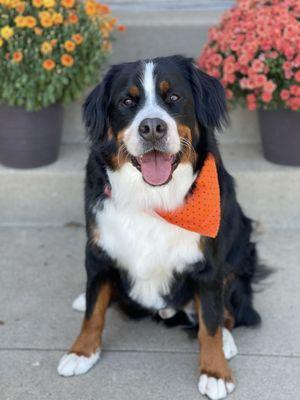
156 167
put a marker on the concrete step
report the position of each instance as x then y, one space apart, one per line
159 32
158 28
200 4
53 195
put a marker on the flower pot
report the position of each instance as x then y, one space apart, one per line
29 139
280 133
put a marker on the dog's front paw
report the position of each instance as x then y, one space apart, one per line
214 388
72 364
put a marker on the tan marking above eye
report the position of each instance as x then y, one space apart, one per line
134 91
164 87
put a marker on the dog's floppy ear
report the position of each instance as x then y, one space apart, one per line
210 100
95 109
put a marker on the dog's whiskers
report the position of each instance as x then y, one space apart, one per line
122 152
186 144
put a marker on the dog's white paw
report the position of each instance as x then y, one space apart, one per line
72 364
214 388
79 304
229 347
166 313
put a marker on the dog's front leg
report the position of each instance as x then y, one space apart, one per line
85 351
216 379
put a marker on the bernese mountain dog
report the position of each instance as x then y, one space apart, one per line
154 166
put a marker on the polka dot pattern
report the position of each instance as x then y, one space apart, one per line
201 212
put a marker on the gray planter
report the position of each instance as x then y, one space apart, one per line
280 133
29 139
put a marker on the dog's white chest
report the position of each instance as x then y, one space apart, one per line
148 248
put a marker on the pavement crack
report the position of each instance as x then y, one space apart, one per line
152 351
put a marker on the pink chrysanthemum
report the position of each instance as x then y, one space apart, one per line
255 50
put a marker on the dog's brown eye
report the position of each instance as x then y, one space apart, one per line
128 102
174 98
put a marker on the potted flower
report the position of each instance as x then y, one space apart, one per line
255 51
50 50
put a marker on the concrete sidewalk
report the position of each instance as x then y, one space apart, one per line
41 272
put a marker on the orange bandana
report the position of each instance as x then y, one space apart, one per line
201 212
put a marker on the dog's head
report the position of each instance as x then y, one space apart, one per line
154 114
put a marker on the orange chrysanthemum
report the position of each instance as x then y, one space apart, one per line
30 22
103 8
20 8
90 8
20 21
11 3
68 3
57 18
73 19
78 39
48 64
53 42
46 22
67 60
108 25
121 28
49 3
46 19
46 48
17 56
37 3
38 31
69 45
113 22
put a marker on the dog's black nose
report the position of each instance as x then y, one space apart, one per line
153 129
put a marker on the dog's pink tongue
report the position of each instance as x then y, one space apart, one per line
156 167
